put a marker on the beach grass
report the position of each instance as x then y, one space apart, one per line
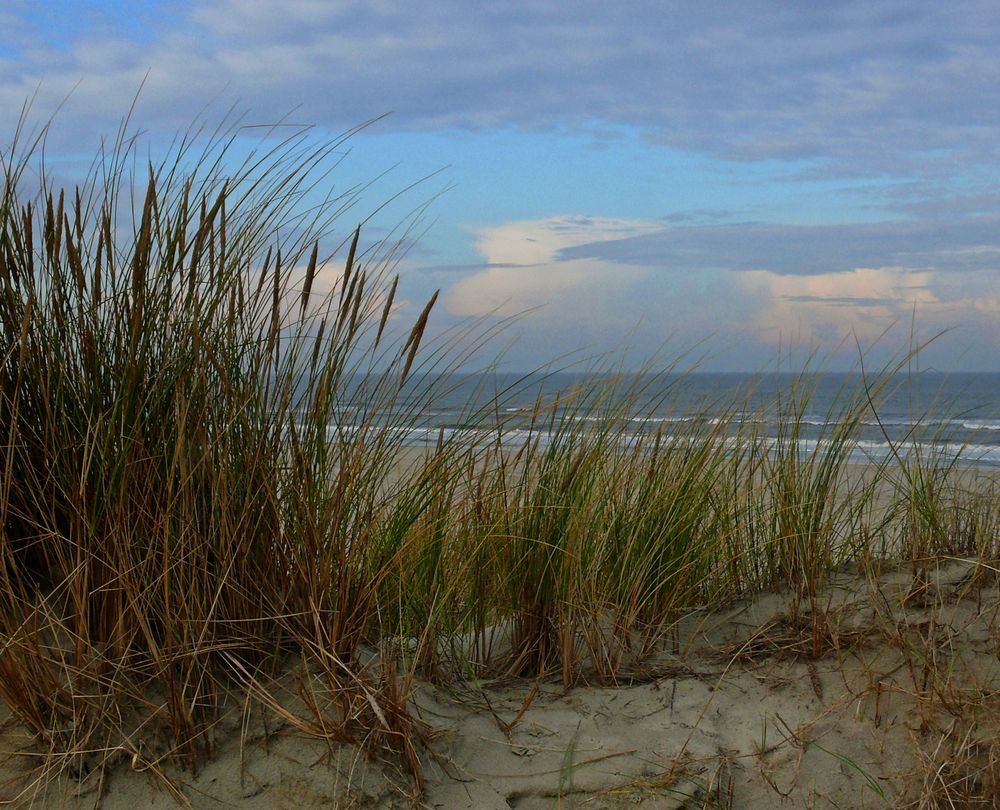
203 485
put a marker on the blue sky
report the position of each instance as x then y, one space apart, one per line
750 178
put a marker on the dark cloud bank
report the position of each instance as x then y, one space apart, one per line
957 246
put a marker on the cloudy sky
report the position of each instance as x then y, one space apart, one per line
751 178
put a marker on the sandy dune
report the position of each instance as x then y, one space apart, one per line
897 706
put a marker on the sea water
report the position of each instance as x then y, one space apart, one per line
945 417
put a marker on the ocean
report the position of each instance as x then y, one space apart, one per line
948 417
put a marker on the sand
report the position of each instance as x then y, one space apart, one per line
738 716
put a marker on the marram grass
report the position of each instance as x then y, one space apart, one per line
202 481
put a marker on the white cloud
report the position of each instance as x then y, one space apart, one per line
539 241
524 269
826 307
989 305
569 268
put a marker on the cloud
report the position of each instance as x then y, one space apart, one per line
988 305
595 279
896 86
833 307
540 241
899 96
949 245
524 270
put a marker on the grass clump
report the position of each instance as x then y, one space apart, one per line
175 509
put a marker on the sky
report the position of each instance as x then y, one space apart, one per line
739 182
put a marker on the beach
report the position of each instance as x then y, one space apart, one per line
741 715
875 690
745 703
